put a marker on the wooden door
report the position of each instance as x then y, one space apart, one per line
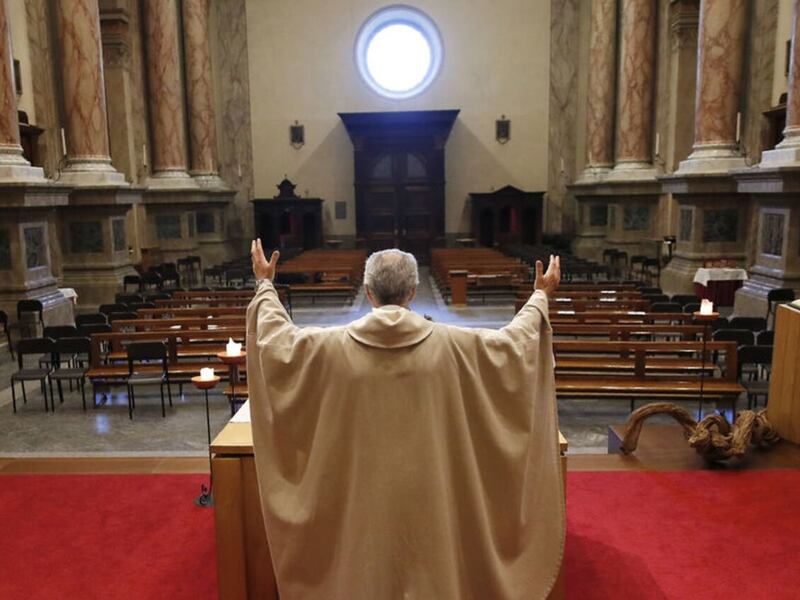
401 205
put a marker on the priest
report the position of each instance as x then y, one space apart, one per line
401 458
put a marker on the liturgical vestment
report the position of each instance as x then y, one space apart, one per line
400 458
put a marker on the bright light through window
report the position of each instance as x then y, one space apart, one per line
398 52
398 57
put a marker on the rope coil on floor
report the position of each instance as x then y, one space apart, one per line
714 438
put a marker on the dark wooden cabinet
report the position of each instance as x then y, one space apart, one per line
288 221
399 178
506 216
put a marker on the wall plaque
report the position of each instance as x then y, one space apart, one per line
205 222
5 250
720 225
35 249
636 218
85 237
772 233
168 227
686 224
598 215
118 233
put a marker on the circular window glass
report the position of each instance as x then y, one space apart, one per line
398 52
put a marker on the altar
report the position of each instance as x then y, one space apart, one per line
244 564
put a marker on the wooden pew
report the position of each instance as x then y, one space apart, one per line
627 331
617 316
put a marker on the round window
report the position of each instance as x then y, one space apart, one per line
398 52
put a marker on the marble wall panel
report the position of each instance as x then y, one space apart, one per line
35 247
205 222
118 234
636 218
564 26
720 225
772 232
598 215
168 227
759 65
230 69
612 218
45 97
85 237
686 224
5 250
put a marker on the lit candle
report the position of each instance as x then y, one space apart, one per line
706 307
207 374
232 348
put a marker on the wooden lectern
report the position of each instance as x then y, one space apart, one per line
783 408
244 564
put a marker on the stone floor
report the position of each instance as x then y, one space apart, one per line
108 430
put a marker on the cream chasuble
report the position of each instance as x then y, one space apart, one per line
399 458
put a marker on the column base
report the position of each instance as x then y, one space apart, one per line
21 172
209 181
788 156
632 171
171 180
594 174
92 174
712 158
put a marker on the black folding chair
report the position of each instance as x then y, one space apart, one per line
742 337
72 347
752 323
41 374
765 338
27 307
665 307
754 368
143 357
7 331
776 297
127 298
133 281
684 299
107 309
92 319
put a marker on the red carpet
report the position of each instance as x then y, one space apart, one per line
683 534
87 537
631 535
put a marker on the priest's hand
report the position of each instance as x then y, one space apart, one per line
263 268
548 282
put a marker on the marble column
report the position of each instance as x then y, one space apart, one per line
86 123
787 153
600 93
13 166
719 78
200 95
166 102
637 61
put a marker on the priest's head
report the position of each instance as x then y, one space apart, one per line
391 277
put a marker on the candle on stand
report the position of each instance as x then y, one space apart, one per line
207 374
232 348
706 307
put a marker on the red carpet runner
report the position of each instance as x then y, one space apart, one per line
119 537
631 535
683 535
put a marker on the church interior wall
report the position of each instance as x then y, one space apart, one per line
302 68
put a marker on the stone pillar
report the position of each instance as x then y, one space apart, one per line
200 95
166 100
86 124
719 76
787 153
635 90
13 166
600 93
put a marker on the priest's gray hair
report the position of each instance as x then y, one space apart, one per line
391 276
